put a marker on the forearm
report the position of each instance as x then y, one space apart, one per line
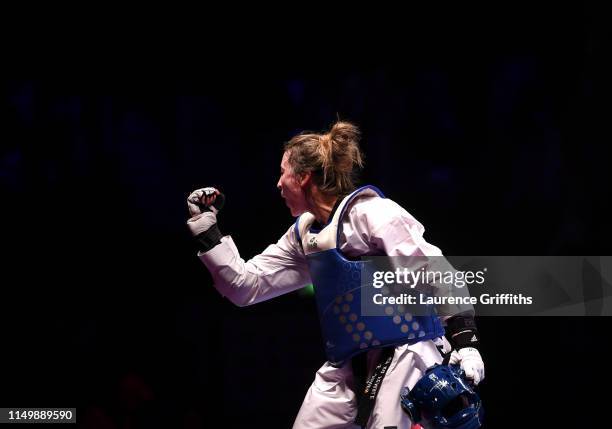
264 277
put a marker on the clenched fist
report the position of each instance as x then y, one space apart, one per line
205 199
204 204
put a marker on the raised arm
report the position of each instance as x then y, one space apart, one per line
279 269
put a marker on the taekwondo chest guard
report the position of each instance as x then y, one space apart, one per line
338 286
442 399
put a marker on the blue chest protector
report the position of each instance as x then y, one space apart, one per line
337 283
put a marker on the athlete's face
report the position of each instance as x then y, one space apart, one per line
291 189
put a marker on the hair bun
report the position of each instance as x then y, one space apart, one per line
344 133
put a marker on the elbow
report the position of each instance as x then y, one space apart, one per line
239 295
240 288
232 286
239 301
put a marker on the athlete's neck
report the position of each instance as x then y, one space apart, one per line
323 210
322 205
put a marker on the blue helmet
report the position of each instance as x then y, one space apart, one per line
443 399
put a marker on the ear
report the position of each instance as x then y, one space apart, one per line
305 179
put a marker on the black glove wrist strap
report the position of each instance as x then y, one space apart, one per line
209 238
461 332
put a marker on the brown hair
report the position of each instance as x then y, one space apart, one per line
333 158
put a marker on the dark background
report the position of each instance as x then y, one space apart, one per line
492 132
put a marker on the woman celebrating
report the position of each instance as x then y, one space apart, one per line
370 359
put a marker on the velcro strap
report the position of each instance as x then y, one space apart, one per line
461 332
209 238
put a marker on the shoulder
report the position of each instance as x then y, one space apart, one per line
376 212
374 204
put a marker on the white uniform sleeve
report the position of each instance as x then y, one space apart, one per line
378 226
279 269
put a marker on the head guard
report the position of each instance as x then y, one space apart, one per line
443 399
